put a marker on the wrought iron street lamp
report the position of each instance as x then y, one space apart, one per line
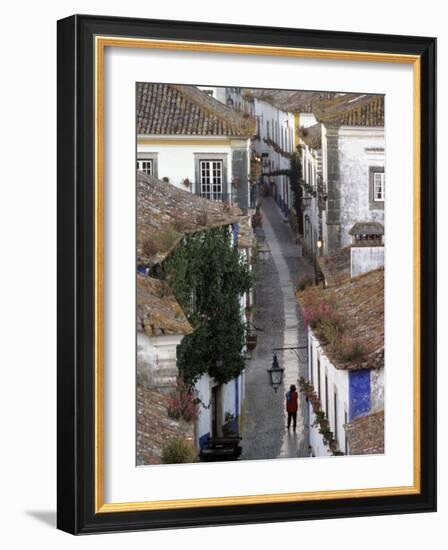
276 373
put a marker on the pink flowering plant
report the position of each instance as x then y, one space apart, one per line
331 328
183 402
315 309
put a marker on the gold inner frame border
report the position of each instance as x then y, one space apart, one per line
101 42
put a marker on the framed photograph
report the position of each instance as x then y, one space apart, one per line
246 274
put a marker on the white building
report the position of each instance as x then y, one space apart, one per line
275 143
343 166
190 139
346 355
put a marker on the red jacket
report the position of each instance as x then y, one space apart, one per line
291 401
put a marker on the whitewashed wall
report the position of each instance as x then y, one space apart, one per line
337 379
377 381
218 92
146 359
311 165
306 120
317 444
204 391
203 424
355 159
365 258
176 161
156 359
281 131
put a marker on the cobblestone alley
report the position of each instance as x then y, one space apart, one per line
276 312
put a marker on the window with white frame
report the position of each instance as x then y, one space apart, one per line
378 186
211 174
377 190
146 166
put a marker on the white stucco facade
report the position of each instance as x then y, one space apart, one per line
360 149
178 158
156 360
365 258
275 126
332 386
348 157
229 400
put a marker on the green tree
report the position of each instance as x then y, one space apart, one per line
209 276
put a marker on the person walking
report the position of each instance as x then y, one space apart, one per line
291 406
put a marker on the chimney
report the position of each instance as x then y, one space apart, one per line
367 249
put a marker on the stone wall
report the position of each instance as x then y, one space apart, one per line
366 434
154 427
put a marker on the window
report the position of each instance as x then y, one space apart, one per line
267 129
146 166
211 174
377 187
147 163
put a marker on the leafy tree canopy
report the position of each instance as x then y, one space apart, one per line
209 276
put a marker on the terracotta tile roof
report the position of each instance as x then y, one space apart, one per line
359 302
336 268
365 434
158 312
186 110
312 136
166 213
289 100
351 110
154 427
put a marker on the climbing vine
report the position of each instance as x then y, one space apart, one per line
208 276
295 176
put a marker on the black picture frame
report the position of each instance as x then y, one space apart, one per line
76 255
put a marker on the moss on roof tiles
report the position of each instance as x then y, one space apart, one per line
168 109
166 213
288 100
359 303
158 312
351 110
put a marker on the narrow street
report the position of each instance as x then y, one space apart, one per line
265 434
